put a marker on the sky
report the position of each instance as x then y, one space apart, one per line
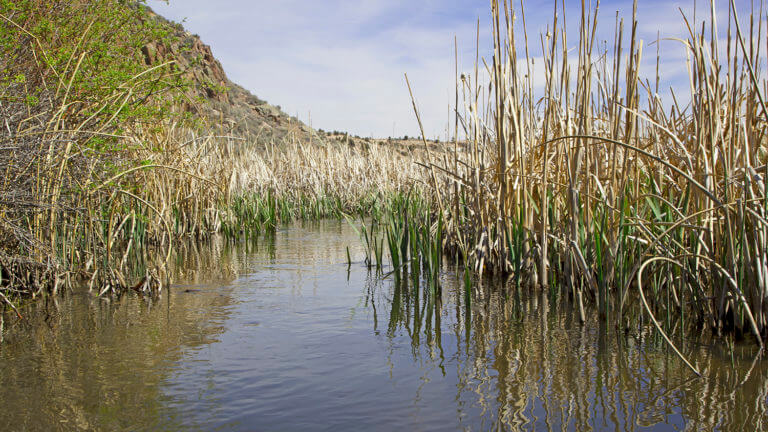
340 64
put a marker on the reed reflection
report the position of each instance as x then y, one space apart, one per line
101 363
522 360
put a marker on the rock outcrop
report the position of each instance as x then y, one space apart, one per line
213 97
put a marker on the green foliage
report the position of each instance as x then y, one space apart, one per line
89 55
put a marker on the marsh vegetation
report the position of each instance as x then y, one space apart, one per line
593 188
573 196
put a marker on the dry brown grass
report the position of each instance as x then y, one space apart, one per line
600 190
114 228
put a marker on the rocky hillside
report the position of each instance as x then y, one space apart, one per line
213 97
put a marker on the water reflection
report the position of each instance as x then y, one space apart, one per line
79 362
281 333
526 363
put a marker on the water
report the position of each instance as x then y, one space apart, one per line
283 335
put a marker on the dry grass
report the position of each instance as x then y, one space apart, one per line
111 221
600 190
250 184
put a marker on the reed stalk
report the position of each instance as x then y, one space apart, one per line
587 181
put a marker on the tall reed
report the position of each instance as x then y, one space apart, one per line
599 190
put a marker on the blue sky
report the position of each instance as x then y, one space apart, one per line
341 62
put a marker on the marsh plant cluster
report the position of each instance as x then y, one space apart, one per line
594 189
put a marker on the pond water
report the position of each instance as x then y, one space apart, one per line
281 334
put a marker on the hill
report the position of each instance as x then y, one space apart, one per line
212 95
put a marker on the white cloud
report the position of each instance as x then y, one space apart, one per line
344 60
